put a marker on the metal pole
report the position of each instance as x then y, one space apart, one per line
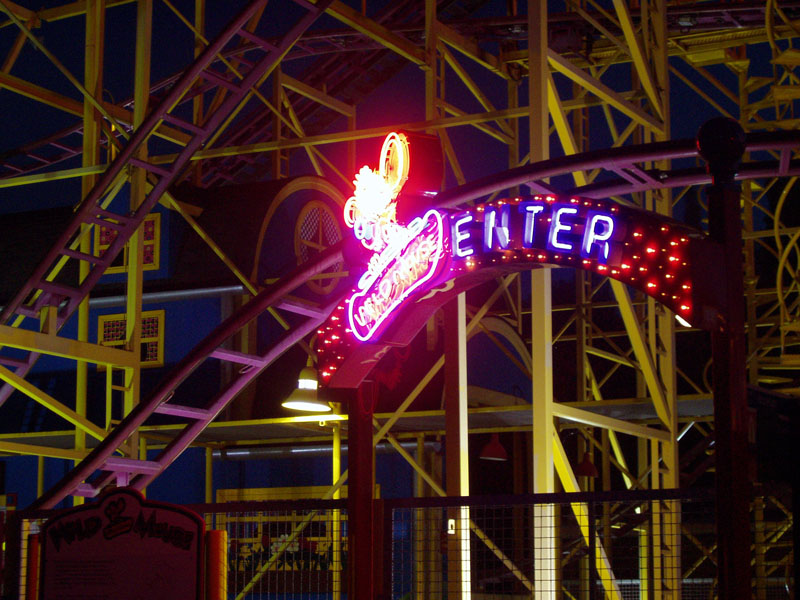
591 517
796 530
93 80
361 561
457 445
721 143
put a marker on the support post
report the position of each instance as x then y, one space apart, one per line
591 517
796 530
209 475
138 192
360 462
336 517
721 143
216 564
457 446
92 124
34 565
546 572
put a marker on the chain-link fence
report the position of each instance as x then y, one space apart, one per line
578 546
632 545
283 549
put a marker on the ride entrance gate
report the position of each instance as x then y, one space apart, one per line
589 231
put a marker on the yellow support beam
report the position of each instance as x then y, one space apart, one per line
581 512
586 417
638 56
699 91
376 132
290 83
170 202
48 451
51 176
13 53
20 11
471 49
473 87
292 115
74 9
376 32
563 128
348 136
14 337
75 107
601 90
40 94
642 353
51 403
621 463
610 356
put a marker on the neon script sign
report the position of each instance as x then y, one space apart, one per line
398 271
642 249
404 257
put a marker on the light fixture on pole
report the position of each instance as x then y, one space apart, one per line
304 397
494 449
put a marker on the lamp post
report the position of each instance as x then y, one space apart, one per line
721 142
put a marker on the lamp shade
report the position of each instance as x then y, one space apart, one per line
494 449
305 396
586 467
305 400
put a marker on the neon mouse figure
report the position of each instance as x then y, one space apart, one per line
372 209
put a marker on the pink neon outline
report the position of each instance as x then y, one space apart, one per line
439 252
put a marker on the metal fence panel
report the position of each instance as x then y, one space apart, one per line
653 545
620 546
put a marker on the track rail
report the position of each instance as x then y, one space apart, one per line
630 164
48 287
102 466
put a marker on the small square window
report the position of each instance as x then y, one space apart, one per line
111 332
105 236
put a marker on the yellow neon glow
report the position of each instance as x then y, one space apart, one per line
372 209
395 161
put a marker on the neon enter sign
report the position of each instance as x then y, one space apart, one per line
589 234
639 248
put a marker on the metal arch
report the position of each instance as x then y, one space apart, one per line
627 160
41 290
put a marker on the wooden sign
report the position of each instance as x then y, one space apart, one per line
123 547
